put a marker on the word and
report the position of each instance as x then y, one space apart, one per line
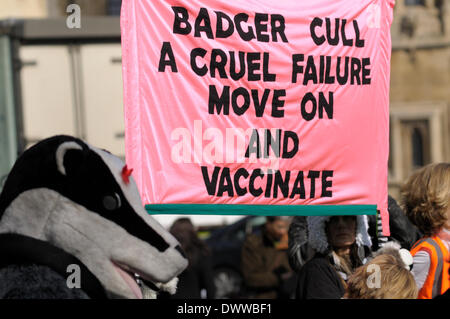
232 145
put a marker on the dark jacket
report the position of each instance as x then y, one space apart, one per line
402 230
319 280
195 278
34 269
264 268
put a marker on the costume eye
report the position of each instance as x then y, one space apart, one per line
112 202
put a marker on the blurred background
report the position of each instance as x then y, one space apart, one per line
57 80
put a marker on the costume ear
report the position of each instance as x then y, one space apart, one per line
68 157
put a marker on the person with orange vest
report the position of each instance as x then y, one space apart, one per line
426 201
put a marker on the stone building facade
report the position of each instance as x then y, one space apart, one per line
420 88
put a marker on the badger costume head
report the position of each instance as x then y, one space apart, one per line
83 201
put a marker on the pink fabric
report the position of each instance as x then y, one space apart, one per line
353 144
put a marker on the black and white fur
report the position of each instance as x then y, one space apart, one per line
73 196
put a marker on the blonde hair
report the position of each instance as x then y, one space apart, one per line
426 197
395 281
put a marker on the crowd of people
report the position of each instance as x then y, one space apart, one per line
334 257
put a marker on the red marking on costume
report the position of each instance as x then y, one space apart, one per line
126 174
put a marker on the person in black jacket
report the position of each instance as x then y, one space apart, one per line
402 231
342 244
199 273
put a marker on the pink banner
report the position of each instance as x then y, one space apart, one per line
258 101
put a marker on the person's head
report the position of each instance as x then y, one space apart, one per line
341 231
325 233
184 231
426 198
384 277
277 226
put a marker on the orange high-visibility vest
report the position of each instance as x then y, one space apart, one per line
438 279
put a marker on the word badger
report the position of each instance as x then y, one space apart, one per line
72 225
